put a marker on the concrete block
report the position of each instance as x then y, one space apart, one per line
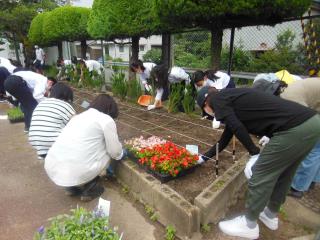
215 200
172 207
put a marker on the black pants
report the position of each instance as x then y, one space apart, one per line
18 88
4 73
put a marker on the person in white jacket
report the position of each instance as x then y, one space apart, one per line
29 88
144 70
217 79
7 64
85 148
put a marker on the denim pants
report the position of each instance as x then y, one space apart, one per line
308 171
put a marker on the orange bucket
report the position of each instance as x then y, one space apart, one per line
145 100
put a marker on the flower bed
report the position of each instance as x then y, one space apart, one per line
163 159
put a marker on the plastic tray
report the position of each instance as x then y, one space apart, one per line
163 178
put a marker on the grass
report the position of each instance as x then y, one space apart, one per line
15 114
119 85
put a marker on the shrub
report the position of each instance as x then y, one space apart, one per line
80 225
153 55
118 85
175 97
134 89
188 101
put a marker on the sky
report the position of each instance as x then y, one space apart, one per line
82 3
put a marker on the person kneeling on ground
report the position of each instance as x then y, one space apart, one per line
50 117
294 130
85 148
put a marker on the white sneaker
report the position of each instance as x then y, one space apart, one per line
271 223
238 227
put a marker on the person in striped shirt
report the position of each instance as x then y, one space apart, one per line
50 117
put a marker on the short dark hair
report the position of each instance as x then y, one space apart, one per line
137 64
74 60
59 62
198 76
61 91
105 103
52 79
211 74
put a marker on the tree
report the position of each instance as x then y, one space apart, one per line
67 24
15 19
216 15
284 56
123 19
36 33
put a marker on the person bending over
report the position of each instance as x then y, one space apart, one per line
294 130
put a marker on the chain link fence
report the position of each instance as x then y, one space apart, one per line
256 49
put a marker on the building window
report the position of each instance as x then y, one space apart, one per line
121 48
141 48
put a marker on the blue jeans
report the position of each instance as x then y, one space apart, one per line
308 171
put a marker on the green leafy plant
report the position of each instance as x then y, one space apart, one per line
125 189
153 55
154 217
51 71
175 98
15 114
134 89
80 225
170 233
118 85
188 101
205 228
149 209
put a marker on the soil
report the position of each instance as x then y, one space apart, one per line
190 186
181 129
311 199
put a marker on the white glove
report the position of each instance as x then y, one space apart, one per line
215 124
150 107
34 61
200 160
248 169
42 62
264 140
204 117
147 87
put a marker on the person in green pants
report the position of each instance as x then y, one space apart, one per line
293 131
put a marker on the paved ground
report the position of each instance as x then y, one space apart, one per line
28 198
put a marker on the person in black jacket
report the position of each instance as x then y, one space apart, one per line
4 73
293 131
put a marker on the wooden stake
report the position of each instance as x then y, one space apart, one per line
217 159
234 148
